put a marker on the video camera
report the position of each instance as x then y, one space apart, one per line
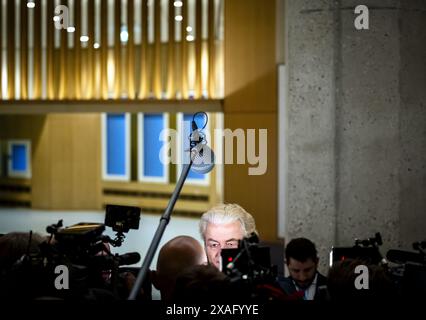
249 268
363 249
409 270
406 269
83 250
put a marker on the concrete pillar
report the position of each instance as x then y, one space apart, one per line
413 122
311 206
367 124
356 123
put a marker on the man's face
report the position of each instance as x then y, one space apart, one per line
221 236
303 273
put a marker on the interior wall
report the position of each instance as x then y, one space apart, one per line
311 205
65 158
368 110
413 122
22 128
73 147
280 31
356 123
66 168
251 103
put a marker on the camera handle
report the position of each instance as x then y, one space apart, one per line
53 229
116 242
119 239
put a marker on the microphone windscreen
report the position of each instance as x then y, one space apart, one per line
202 159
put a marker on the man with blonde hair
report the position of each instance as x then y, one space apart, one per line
222 227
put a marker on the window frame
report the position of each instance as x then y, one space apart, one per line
116 177
141 148
27 174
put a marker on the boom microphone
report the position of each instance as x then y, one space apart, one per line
202 159
202 155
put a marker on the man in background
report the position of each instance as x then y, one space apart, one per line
302 263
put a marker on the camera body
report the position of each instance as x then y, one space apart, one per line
405 269
409 270
250 270
366 250
83 250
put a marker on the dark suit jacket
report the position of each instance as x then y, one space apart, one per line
287 285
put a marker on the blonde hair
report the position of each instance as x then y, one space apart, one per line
228 213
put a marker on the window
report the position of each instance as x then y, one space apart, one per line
19 164
184 129
116 147
152 166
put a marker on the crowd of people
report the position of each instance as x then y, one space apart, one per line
189 271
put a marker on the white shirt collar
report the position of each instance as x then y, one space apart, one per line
310 291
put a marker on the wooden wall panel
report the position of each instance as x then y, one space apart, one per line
250 62
65 158
37 86
21 127
1 47
256 193
41 175
251 102
24 51
61 178
32 127
86 161
75 161
10 46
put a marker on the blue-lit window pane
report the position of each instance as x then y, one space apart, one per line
19 164
187 120
19 157
116 144
153 124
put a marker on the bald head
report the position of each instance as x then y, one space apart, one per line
178 254
175 256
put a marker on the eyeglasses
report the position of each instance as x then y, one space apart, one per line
227 245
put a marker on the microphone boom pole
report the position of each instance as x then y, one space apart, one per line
164 221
